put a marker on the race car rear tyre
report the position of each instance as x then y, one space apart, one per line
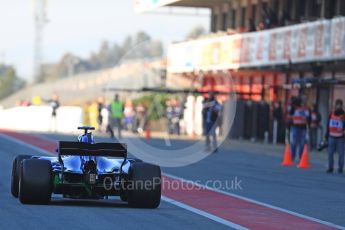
124 193
16 172
144 189
35 182
124 196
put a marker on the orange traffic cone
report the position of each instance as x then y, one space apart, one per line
304 162
287 161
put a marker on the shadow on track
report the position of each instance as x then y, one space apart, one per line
89 203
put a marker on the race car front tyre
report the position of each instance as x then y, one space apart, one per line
35 182
16 172
144 187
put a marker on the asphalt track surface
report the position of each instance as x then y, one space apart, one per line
270 196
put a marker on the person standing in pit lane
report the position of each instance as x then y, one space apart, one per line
211 112
315 125
54 104
100 118
107 120
129 115
299 120
277 115
116 113
176 116
335 136
169 115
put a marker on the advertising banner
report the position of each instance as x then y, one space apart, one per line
307 42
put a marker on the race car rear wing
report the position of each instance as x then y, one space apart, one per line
86 149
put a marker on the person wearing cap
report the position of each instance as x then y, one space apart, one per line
299 119
335 136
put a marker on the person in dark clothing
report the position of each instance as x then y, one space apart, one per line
54 104
169 115
211 112
315 124
335 136
177 115
100 106
299 117
277 120
287 120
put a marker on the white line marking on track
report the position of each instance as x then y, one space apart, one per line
204 214
258 203
166 199
197 211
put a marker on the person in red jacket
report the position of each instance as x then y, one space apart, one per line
335 136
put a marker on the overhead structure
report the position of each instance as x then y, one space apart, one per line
40 20
144 6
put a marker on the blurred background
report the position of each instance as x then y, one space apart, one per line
82 53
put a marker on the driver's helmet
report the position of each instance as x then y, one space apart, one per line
86 138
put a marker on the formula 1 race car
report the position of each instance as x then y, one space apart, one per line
86 170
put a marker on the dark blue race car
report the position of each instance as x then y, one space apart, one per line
86 170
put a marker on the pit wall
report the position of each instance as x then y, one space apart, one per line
39 118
